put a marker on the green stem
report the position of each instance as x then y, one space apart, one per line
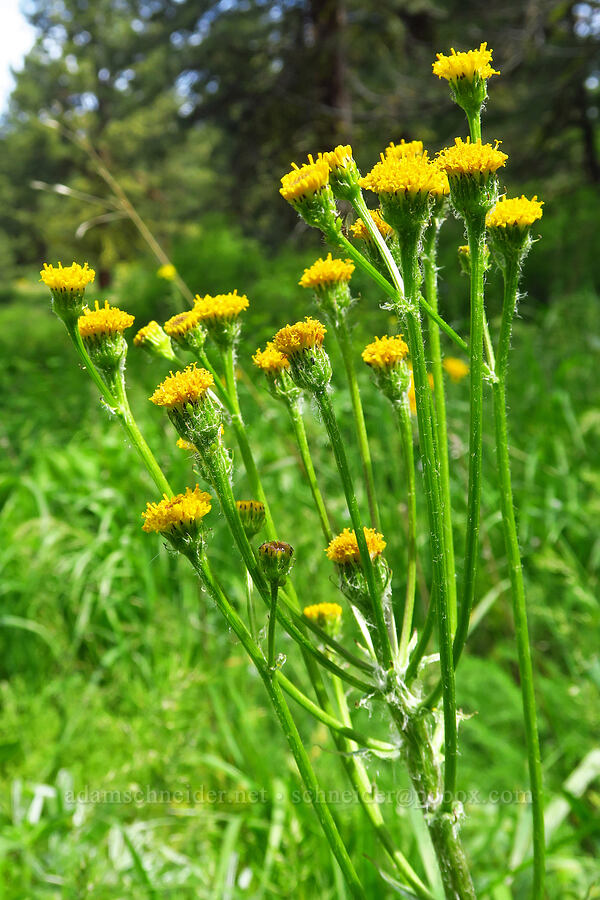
297 421
272 623
250 606
345 345
289 728
375 589
116 400
430 273
395 292
243 442
511 540
476 235
402 411
343 728
431 467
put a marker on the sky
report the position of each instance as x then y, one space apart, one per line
16 38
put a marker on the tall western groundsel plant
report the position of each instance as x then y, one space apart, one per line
388 661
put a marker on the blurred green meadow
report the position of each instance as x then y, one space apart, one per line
137 755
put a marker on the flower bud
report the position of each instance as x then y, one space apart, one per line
327 616
344 176
386 358
276 559
154 340
252 514
344 553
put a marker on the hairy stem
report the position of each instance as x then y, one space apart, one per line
300 435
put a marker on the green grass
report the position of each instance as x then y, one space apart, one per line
118 675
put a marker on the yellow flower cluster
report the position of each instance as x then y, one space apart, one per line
406 175
179 325
404 149
324 614
327 271
339 158
220 308
359 229
515 211
465 65
305 180
187 386
147 333
471 158
304 335
385 352
103 321
67 278
343 549
270 361
456 368
180 511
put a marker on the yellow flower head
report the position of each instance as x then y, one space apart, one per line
182 512
186 445
359 229
221 307
188 386
327 271
179 325
325 615
340 158
304 335
168 272
406 175
385 352
343 549
270 361
456 368
404 149
465 65
150 332
67 278
304 181
471 158
517 211
103 321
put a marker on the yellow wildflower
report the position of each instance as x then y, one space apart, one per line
179 325
67 278
465 65
517 211
167 271
456 368
406 176
385 352
303 181
340 158
180 512
221 307
404 149
359 229
471 158
327 271
103 321
270 361
325 615
304 335
188 386
343 549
